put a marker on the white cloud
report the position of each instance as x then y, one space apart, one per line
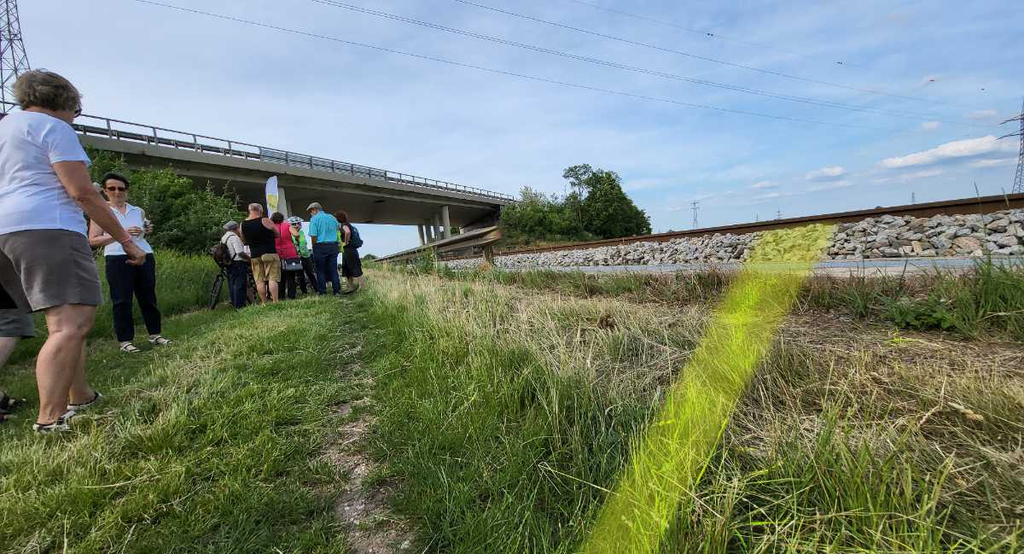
764 185
992 162
982 114
950 150
907 177
828 173
924 174
930 125
831 186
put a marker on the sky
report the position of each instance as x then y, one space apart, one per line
753 109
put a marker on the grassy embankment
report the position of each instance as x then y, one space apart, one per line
506 412
212 445
985 302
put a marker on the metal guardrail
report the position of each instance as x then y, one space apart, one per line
137 132
477 238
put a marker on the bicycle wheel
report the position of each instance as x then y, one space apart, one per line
218 285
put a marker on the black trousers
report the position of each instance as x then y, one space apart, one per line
129 280
307 275
286 286
238 277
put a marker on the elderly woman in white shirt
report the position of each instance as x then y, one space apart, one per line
45 261
126 280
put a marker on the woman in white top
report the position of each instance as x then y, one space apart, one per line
45 261
128 280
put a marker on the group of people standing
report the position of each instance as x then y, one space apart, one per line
276 251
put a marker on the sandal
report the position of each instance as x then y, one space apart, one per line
84 405
159 341
130 348
59 426
7 403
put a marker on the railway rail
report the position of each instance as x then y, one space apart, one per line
982 204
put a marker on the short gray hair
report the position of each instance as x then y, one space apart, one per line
256 207
40 88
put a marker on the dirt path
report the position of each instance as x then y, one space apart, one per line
362 507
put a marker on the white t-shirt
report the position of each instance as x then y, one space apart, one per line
31 196
132 217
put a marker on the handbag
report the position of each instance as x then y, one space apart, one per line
293 264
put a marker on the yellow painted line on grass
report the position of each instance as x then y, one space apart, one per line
668 459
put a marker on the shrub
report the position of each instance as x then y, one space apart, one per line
184 218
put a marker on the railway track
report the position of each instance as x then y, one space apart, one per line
983 204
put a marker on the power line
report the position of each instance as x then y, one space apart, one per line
704 33
691 55
510 73
632 68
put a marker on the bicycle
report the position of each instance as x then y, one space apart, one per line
218 288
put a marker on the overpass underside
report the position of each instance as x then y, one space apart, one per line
367 195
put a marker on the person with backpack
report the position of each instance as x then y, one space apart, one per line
351 265
230 254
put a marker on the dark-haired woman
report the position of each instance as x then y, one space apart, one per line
351 265
127 280
291 262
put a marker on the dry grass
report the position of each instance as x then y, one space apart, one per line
502 404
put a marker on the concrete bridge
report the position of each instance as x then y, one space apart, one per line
369 195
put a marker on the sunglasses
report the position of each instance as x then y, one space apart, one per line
78 111
116 189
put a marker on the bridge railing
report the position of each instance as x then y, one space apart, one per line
161 136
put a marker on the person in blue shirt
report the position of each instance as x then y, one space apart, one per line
323 233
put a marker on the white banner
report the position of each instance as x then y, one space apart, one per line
272 195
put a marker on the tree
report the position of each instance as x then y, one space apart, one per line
597 207
184 218
607 211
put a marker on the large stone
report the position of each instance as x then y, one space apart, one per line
1007 240
968 244
998 225
1016 250
890 252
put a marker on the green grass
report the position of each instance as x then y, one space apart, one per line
987 301
211 445
505 414
183 285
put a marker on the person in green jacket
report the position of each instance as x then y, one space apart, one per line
299 239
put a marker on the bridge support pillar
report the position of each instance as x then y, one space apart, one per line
429 228
446 230
423 236
437 227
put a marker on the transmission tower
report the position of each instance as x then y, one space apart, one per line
695 205
13 59
1018 180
